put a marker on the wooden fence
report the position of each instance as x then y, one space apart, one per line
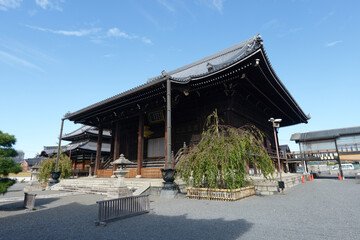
122 207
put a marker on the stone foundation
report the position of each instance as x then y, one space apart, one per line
267 187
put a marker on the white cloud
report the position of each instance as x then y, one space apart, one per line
97 35
109 55
50 4
76 33
291 31
115 32
166 5
13 60
217 4
146 40
6 4
332 43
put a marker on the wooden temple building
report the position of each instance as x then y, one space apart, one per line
82 149
152 123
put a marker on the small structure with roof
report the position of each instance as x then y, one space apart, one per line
334 144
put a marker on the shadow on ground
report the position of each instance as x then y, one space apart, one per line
19 205
77 221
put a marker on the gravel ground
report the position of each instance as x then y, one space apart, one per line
321 209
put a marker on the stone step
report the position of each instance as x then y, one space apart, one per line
103 186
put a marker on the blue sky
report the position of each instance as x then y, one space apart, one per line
58 56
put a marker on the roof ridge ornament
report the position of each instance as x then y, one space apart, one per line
164 73
209 67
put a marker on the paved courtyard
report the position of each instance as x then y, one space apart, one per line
321 209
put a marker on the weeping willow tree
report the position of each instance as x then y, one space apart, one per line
48 166
220 159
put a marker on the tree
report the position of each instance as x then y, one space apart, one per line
7 165
48 166
220 159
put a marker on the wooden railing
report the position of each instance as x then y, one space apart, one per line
122 207
180 154
273 154
324 154
107 162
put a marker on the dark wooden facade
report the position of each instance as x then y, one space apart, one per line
243 88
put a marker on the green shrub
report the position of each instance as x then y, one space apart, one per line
218 161
5 183
48 166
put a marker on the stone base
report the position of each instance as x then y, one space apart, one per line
170 190
138 176
119 193
29 200
271 187
53 182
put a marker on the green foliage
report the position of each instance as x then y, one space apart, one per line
218 161
7 165
5 183
6 143
48 166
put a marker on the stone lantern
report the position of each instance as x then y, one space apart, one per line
34 184
120 189
120 171
35 171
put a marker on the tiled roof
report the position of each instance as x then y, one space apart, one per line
325 134
86 129
216 61
88 145
199 68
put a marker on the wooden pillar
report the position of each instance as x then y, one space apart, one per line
113 132
287 163
98 150
116 144
165 142
168 122
90 171
303 163
83 164
140 152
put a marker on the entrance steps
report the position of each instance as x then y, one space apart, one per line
104 185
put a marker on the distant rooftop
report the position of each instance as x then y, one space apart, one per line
83 131
324 134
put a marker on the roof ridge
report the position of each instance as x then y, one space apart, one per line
211 57
325 130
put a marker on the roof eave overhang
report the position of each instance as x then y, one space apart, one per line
78 115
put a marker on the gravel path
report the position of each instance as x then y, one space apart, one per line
321 209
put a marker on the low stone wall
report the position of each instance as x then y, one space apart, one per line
267 187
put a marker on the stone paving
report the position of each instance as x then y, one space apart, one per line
320 209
